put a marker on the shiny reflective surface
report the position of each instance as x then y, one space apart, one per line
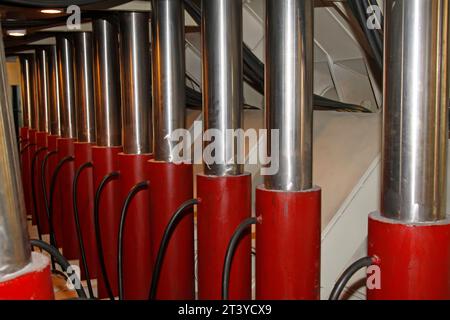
415 117
107 82
136 82
55 105
289 90
168 75
27 86
15 251
85 87
64 47
222 80
43 85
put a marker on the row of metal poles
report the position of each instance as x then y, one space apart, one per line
89 100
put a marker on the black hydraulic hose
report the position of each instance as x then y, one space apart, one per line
237 236
164 243
33 190
62 261
348 274
44 191
78 226
27 146
52 192
109 177
135 190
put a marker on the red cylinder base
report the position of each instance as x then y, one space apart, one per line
85 202
225 202
105 161
25 167
41 142
29 155
288 245
32 283
414 259
70 246
170 186
137 259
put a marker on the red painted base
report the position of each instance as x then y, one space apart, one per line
225 203
288 245
170 186
70 246
29 155
137 259
105 161
41 142
414 259
32 283
85 202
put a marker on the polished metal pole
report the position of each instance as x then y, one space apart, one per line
222 81
168 75
15 251
415 133
43 87
85 87
289 91
28 70
55 105
107 82
136 82
64 44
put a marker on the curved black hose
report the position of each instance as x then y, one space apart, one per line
62 261
27 146
348 274
237 235
77 224
164 243
109 177
44 191
52 192
33 190
135 190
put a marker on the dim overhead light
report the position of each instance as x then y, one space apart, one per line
16 33
51 11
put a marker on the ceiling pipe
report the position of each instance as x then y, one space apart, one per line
107 82
410 236
136 82
85 87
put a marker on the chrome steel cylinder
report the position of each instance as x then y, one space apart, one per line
15 252
107 82
43 87
84 87
64 45
415 132
55 105
168 70
222 81
289 91
28 82
136 82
